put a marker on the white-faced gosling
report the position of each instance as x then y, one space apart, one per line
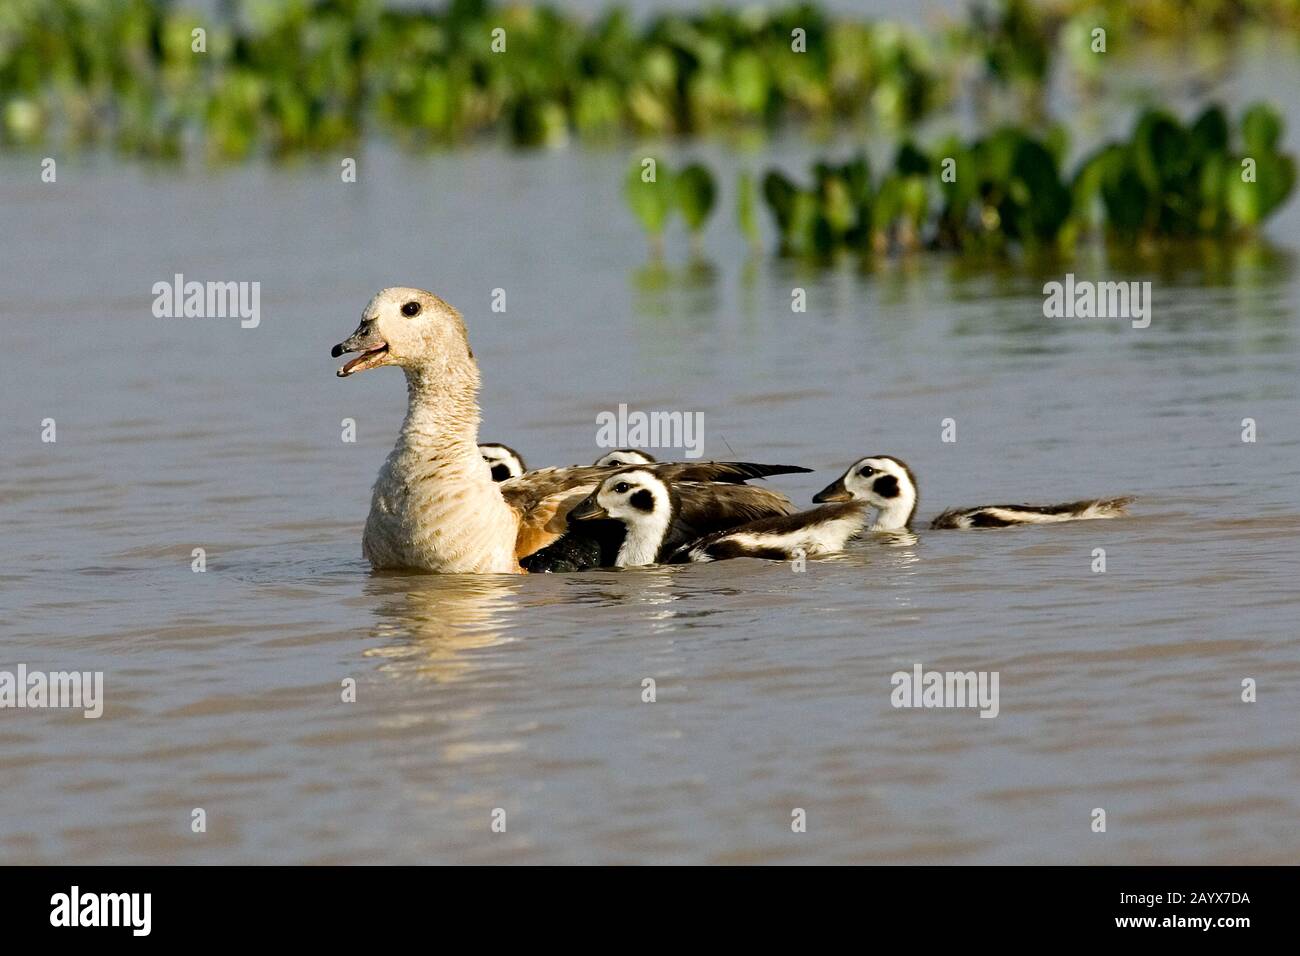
888 485
503 460
625 456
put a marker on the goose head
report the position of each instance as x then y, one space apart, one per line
881 480
504 461
409 328
624 456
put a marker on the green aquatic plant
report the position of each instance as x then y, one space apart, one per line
1013 38
1171 179
1008 190
695 192
1004 189
300 75
650 191
1163 18
746 210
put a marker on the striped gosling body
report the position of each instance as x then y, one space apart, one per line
1002 516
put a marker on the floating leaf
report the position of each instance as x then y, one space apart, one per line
780 194
1261 129
695 193
650 201
1250 203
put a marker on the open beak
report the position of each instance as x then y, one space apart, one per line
586 509
835 491
366 340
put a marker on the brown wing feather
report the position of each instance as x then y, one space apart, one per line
709 507
542 498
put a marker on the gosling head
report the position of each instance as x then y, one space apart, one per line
625 456
504 461
629 496
639 500
884 482
409 328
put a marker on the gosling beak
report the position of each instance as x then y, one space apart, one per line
586 509
366 340
835 491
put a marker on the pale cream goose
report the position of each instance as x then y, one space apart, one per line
435 506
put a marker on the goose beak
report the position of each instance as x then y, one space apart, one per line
366 340
835 491
586 509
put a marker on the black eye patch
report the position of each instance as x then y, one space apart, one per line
643 500
500 472
886 487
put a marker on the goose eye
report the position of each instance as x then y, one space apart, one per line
621 487
411 310
867 471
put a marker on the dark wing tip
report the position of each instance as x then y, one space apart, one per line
734 472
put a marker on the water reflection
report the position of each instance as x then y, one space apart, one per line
649 588
670 297
431 623
905 540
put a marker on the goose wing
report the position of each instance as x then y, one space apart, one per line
543 498
709 507
730 472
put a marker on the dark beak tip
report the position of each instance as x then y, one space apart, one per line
835 492
336 351
584 511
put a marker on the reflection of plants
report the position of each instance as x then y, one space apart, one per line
1007 189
